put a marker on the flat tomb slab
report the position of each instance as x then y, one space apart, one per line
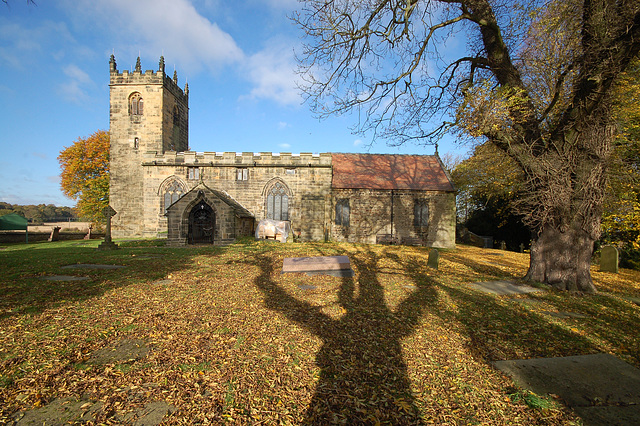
601 388
318 263
503 287
64 278
91 266
329 265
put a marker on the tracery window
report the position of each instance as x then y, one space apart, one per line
420 213
278 202
172 194
135 104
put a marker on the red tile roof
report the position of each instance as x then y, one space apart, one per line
384 171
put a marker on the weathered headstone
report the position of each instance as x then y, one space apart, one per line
609 259
521 248
107 244
55 234
434 257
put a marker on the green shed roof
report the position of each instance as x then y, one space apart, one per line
13 221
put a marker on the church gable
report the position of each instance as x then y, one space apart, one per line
206 216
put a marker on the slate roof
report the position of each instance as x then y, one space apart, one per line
387 171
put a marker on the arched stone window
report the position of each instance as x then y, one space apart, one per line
135 104
420 213
173 191
278 202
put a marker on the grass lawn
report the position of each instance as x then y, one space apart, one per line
220 336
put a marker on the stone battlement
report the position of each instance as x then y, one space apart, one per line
237 159
149 77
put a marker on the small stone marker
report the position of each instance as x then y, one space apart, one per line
521 248
609 259
338 266
107 244
434 257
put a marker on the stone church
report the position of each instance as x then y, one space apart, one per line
160 188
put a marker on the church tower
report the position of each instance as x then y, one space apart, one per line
149 115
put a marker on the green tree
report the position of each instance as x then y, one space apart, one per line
488 182
85 174
551 116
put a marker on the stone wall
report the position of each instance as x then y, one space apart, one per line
370 216
307 178
134 135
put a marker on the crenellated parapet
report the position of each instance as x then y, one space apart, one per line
236 159
148 77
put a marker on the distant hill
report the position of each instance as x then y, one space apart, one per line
40 213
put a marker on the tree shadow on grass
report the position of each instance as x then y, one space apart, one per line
499 331
363 376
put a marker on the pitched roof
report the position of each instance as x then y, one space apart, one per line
386 171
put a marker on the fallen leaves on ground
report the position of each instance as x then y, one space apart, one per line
223 337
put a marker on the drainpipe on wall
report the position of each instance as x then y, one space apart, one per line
392 215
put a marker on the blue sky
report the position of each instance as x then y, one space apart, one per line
237 57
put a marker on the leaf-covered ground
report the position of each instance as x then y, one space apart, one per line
219 335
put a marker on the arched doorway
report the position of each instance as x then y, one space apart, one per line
202 224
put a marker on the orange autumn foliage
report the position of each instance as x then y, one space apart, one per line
85 174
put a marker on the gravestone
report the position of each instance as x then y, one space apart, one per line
55 234
434 256
107 244
609 259
521 248
503 245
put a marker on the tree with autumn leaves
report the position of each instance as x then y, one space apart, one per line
534 80
85 174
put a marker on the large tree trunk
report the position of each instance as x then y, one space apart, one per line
562 259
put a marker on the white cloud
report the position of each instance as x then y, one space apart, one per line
284 145
272 72
74 89
23 46
77 74
283 125
172 27
357 142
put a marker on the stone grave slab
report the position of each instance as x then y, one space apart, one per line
337 266
64 278
600 388
306 287
635 300
60 411
91 266
503 287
